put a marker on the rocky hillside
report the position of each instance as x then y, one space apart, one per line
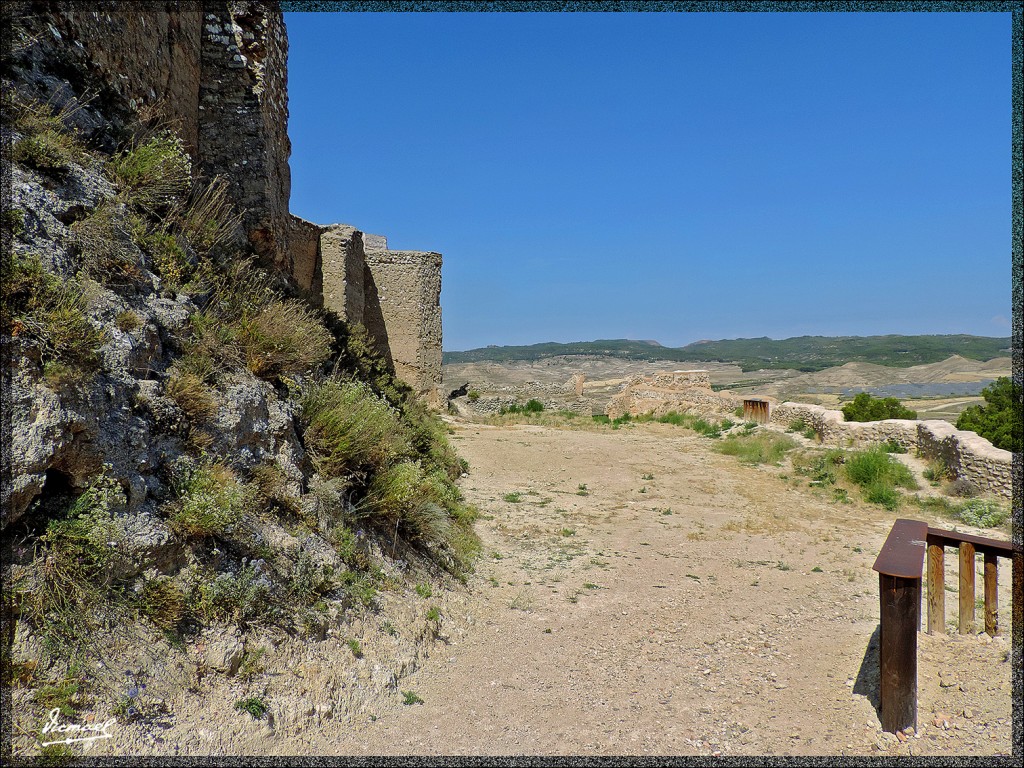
199 455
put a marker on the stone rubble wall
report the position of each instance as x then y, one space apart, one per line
243 118
966 454
683 391
567 396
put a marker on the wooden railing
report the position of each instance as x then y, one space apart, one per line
899 565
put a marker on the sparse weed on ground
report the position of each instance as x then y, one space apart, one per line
255 706
760 448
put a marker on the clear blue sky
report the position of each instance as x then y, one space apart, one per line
669 176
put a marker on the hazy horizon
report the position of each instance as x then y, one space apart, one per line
659 343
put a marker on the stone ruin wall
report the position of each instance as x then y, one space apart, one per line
967 454
395 295
567 396
671 391
215 72
402 307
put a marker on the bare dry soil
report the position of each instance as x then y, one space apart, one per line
638 594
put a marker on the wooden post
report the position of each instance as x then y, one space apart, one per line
936 588
900 620
966 588
991 593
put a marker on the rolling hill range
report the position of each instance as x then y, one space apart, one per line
802 353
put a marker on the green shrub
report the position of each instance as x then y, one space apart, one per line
169 259
240 597
983 513
428 437
893 446
880 492
49 152
1000 420
210 499
350 427
473 395
532 406
874 465
864 407
402 494
760 448
153 174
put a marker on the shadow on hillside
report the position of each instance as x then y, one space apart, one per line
867 682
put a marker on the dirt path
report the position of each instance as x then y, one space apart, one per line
710 609
638 594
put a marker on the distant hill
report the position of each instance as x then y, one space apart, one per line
803 353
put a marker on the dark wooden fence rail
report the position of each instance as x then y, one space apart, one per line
899 565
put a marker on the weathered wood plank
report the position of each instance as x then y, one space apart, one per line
991 594
966 588
936 588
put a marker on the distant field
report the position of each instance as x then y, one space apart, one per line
801 353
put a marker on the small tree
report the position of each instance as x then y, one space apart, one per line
864 407
999 420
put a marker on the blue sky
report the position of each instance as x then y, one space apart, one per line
669 176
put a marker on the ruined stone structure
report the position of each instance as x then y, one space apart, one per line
215 72
966 454
676 391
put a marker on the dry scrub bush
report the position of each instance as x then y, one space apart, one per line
350 427
106 241
45 145
283 337
50 313
192 395
154 174
210 499
205 217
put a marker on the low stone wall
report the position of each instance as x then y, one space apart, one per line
965 453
